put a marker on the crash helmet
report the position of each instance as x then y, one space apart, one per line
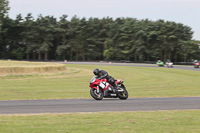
96 71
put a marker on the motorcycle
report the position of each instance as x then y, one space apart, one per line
169 64
196 64
160 63
100 88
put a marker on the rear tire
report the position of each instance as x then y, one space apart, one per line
95 95
123 95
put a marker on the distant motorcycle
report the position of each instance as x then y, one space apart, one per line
169 64
160 63
196 64
99 86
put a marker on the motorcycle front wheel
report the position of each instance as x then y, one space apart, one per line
123 95
95 94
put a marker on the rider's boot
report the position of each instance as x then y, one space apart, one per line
115 87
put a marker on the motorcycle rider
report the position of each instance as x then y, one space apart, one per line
101 74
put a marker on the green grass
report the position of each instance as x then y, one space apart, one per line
104 122
74 83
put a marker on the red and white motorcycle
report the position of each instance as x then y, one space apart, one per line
100 88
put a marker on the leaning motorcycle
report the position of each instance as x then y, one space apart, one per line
169 64
100 88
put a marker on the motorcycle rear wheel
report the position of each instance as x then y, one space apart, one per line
95 95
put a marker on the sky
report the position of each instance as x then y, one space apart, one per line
186 12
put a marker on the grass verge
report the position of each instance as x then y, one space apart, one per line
112 122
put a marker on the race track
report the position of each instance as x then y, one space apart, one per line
189 67
91 105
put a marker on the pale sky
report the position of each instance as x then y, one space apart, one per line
186 12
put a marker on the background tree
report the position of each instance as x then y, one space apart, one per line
4 8
63 36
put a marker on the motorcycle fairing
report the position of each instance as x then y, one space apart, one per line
95 82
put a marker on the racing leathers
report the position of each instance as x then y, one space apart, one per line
104 75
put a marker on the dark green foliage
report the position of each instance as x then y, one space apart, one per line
47 38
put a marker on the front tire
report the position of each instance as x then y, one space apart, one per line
123 95
95 95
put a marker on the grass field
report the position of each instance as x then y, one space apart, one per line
105 122
73 83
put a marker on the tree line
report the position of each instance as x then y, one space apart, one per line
47 38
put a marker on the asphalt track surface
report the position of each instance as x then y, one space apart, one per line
91 105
